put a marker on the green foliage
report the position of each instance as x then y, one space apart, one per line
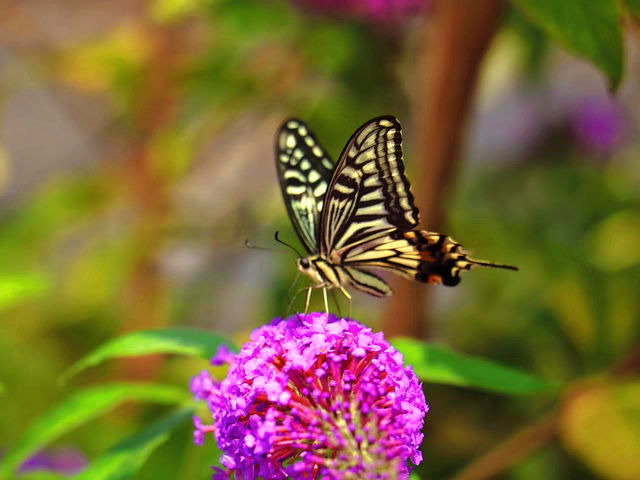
633 6
46 216
42 476
590 29
182 341
80 408
435 364
18 288
124 460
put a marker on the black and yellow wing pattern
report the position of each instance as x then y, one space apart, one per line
304 170
362 214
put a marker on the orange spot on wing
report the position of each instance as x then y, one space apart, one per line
427 256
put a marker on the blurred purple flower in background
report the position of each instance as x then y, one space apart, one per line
598 124
314 397
380 11
65 461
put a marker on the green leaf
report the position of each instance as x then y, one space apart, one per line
185 341
124 460
439 365
590 29
42 475
20 287
80 408
633 7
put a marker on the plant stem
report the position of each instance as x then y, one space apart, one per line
458 35
512 450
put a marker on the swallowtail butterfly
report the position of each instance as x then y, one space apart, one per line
360 213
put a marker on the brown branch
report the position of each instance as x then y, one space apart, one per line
145 298
629 365
534 436
459 33
512 450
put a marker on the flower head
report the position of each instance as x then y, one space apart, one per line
379 11
598 125
314 396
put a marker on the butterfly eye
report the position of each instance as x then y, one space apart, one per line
304 263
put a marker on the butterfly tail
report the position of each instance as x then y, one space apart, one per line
441 259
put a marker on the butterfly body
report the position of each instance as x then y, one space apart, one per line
360 214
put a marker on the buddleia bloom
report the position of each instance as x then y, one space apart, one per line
380 11
314 396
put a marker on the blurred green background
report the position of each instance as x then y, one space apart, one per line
136 156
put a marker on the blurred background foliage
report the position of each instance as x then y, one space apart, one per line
136 156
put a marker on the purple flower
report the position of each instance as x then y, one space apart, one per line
315 397
598 125
380 11
65 461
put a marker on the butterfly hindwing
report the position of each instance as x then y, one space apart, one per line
369 194
367 282
427 257
304 169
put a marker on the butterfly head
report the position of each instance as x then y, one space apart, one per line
307 265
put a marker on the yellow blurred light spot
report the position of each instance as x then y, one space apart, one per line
571 305
171 152
4 170
501 67
615 242
98 65
164 11
600 425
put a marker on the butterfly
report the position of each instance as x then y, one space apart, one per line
360 214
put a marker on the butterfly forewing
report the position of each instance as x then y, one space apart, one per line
368 195
304 169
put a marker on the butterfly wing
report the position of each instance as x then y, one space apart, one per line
367 282
368 195
419 255
370 217
304 170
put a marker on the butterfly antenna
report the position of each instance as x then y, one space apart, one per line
492 265
250 245
286 244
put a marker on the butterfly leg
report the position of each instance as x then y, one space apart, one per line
295 280
348 296
326 302
335 300
306 305
293 299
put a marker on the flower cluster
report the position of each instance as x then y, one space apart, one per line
314 396
598 124
380 11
